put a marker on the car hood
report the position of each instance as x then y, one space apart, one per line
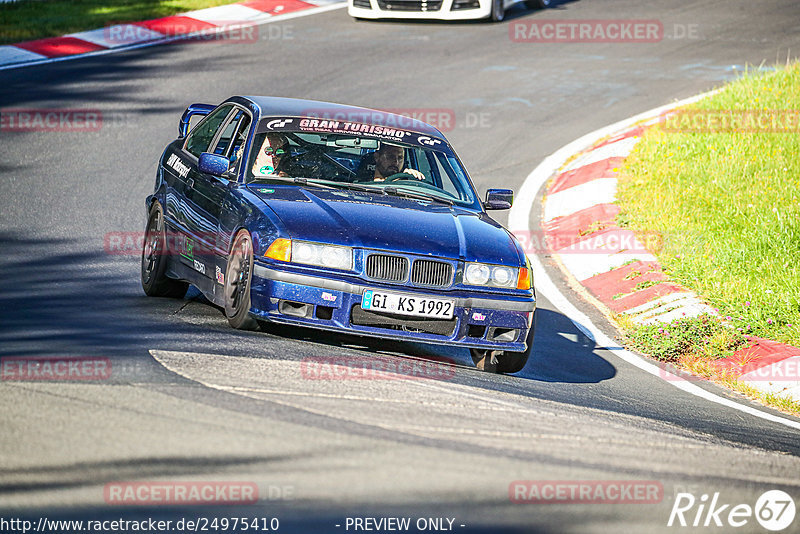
390 223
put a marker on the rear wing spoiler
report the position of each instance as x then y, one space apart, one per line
191 111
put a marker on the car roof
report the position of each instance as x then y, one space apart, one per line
295 107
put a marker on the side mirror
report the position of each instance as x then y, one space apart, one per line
213 164
499 199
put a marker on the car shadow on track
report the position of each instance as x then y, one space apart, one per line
66 297
561 352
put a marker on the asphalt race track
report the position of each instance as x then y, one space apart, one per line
190 399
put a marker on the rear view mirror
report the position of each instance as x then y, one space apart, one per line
499 199
356 142
213 164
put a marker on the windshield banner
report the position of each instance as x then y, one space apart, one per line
377 131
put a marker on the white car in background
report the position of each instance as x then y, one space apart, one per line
493 10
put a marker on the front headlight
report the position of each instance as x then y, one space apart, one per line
330 256
481 274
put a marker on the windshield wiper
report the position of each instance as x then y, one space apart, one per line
358 187
294 180
397 191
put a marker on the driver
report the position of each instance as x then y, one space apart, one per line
274 149
389 160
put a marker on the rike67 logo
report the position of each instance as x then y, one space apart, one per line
774 510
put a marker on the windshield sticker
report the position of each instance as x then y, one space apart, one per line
427 141
330 126
279 124
266 191
324 125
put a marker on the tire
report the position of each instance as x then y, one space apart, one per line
485 360
498 11
503 361
538 4
154 259
238 275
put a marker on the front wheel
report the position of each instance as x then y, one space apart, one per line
503 361
538 4
498 11
154 259
238 275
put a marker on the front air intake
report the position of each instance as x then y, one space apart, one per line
387 267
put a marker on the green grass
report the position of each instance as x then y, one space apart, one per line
686 338
26 20
727 208
692 344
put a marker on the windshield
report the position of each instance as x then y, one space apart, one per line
341 160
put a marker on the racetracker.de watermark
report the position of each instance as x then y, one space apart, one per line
217 31
407 118
601 241
586 492
180 493
586 31
370 368
443 119
45 368
50 120
718 121
787 370
610 241
173 244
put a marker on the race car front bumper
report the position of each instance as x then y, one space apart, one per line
421 9
329 304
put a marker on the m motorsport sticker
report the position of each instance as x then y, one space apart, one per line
220 275
178 166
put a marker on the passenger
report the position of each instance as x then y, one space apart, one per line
273 151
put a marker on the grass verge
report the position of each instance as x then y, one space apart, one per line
720 187
727 206
692 344
26 20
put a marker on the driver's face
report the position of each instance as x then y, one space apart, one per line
389 160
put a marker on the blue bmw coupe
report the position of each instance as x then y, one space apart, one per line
339 218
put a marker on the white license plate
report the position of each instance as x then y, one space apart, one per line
416 305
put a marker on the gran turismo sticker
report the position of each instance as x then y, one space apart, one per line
343 127
428 141
278 124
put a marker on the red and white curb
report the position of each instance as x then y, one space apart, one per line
579 222
619 271
609 260
151 32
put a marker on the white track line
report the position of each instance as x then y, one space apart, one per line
518 222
